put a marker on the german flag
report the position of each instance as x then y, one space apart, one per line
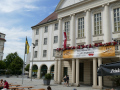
26 46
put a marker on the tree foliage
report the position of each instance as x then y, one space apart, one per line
14 62
2 65
27 67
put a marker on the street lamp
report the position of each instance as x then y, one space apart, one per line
32 59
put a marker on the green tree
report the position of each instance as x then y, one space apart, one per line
9 58
27 67
16 65
2 65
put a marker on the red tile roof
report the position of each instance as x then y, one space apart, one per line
2 39
48 19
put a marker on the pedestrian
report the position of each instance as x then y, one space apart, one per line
49 88
1 84
6 85
67 80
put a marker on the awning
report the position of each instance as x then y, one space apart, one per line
109 69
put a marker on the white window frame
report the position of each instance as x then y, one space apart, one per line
97 28
55 39
54 51
45 41
67 29
117 18
56 26
81 27
37 31
35 55
46 29
36 42
44 53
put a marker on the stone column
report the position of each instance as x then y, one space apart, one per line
73 70
60 33
29 72
94 73
48 71
77 72
100 77
59 71
88 27
106 24
38 74
72 30
56 71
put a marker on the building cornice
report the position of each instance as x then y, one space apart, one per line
41 60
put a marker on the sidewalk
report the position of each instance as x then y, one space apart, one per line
38 83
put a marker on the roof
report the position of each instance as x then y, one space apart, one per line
2 33
2 39
50 18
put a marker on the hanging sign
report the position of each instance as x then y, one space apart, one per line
104 51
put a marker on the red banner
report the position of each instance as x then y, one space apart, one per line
65 39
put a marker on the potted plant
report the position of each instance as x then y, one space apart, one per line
116 81
47 79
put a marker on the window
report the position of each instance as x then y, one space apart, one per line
81 27
36 42
55 39
45 41
56 26
54 51
35 56
46 29
44 53
117 19
97 24
67 29
0 36
37 31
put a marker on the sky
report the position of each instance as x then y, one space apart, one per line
16 19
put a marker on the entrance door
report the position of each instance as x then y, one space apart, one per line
81 72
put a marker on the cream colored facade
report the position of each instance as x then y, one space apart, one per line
101 20
2 41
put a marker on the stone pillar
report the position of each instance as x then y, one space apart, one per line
72 30
56 71
60 33
73 70
106 24
94 73
100 77
77 72
48 71
88 28
29 72
38 74
59 71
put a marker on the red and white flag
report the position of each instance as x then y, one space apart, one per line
65 39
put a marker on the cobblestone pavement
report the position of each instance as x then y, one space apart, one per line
38 83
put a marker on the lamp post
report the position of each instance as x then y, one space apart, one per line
32 60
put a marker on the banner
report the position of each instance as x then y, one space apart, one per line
109 69
65 39
105 51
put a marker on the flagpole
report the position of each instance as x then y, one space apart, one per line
23 64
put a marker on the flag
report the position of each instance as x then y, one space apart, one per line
65 39
26 46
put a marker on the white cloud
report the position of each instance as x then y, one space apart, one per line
15 40
7 6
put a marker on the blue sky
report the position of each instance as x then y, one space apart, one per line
16 19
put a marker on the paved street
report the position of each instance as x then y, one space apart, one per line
38 83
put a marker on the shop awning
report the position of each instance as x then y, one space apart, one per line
109 69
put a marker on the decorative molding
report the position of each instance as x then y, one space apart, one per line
97 9
42 60
115 4
98 35
81 38
68 18
116 32
82 14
